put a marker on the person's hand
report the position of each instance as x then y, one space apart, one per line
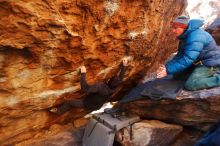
82 69
161 72
125 62
53 110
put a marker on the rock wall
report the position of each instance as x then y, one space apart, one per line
199 9
196 111
42 44
207 10
214 30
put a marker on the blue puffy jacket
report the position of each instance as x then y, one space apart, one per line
195 44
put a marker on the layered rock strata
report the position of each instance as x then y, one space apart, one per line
214 30
197 109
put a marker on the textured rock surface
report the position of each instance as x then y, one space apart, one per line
57 135
148 133
210 12
42 44
188 137
198 109
214 29
206 9
26 126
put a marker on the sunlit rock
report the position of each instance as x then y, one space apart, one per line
43 43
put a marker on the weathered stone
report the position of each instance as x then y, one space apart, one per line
80 122
43 43
198 109
148 133
199 8
214 30
32 124
187 137
58 135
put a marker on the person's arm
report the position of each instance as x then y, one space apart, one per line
192 50
117 79
122 73
63 108
86 87
83 83
95 88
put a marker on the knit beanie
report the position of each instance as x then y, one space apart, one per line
181 21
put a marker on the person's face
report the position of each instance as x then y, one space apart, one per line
177 30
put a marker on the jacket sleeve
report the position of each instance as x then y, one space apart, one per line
117 79
192 49
88 88
100 88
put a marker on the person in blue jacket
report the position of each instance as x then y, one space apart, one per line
197 54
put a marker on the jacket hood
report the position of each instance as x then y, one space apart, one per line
192 25
195 24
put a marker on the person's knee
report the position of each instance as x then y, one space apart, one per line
198 84
190 85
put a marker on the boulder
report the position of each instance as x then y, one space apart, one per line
214 30
197 109
148 133
57 135
199 8
187 137
43 43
